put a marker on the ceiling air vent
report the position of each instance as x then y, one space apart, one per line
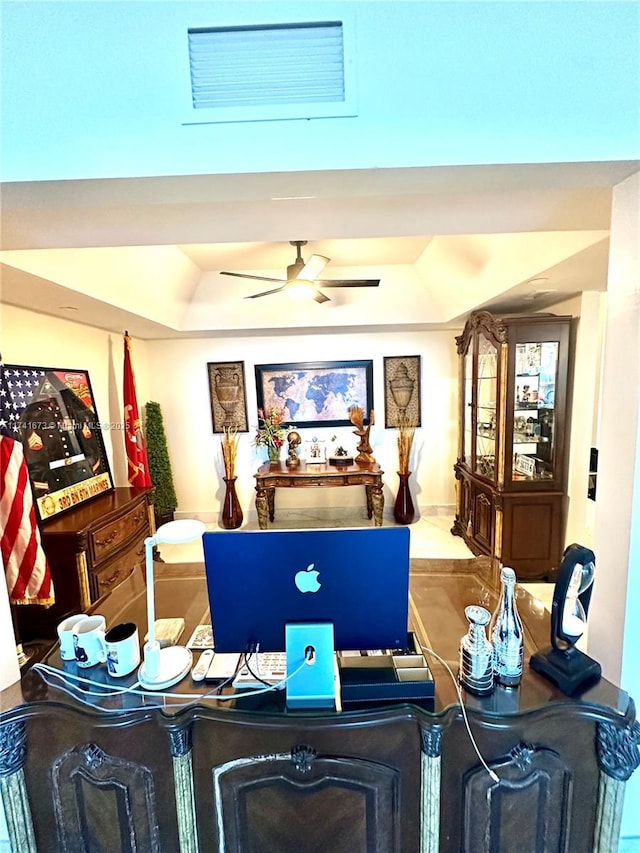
271 71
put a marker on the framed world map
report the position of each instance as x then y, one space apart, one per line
317 393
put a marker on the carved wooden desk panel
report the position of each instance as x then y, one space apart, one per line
274 475
254 778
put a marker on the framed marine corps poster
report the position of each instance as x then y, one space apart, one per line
61 434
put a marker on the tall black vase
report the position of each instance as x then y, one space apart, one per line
403 510
231 509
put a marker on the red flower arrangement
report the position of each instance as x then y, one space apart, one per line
271 430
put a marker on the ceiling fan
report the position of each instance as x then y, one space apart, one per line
302 278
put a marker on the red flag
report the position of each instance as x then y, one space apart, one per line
134 439
26 568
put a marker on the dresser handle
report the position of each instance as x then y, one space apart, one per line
102 542
111 580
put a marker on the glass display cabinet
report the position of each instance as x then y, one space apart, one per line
511 468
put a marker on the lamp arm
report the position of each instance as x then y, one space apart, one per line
149 544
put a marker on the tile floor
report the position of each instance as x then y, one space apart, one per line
430 538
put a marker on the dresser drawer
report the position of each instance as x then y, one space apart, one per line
107 578
106 540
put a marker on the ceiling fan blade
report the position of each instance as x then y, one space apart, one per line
266 292
313 267
320 298
254 277
364 282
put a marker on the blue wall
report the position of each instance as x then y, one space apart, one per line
101 89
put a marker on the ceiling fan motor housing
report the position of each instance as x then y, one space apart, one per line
294 268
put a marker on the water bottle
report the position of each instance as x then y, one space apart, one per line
507 635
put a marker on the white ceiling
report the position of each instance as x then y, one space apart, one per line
145 254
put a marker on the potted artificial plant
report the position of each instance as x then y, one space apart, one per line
164 493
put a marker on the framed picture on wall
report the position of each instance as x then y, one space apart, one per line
402 390
227 392
316 393
57 421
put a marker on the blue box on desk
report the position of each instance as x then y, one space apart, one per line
386 678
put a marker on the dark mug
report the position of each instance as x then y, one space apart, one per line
122 646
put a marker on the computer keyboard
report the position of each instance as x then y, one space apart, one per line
269 667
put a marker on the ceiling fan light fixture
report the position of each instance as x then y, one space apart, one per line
302 280
301 289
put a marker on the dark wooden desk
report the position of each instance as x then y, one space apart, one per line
95 774
274 475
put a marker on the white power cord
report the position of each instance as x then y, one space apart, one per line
53 677
491 772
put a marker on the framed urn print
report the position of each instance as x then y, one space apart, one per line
53 412
402 390
228 396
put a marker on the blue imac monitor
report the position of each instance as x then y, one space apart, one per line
357 579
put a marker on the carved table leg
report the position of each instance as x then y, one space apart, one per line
183 784
618 757
377 502
262 507
369 502
13 748
430 788
271 500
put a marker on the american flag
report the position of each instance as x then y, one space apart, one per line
26 568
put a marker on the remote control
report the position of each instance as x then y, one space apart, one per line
200 669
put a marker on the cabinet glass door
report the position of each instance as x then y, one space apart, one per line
533 411
486 395
467 403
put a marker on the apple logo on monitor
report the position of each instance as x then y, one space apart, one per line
307 579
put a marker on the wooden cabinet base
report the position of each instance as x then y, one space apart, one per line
523 530
90 549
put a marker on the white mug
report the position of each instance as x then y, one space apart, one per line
123 649
65 635
88 641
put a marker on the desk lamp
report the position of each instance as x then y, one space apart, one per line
561 662
160 667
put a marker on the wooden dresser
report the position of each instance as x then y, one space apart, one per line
91 549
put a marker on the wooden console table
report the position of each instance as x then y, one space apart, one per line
273 475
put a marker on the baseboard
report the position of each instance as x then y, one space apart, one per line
326 513
438 509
